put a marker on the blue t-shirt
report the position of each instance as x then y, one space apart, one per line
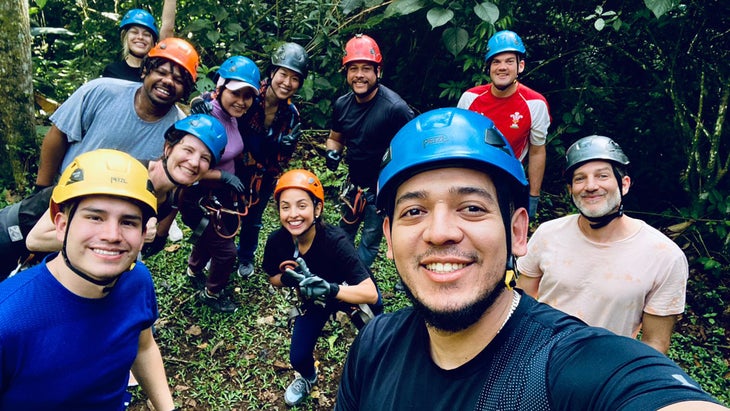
101 114
60 351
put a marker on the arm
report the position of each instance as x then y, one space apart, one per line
693 406
42 237
53 149
656 331
363 293
529 285
536 168
150 372
335 141
167 28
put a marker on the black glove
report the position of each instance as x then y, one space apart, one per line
317 288
288 142
150 249
200 106
333 159
233 181
291 278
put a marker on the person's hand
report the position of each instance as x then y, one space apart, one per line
233 181
317 288
154 247
532 208
198 105
333 158
291 278
288 142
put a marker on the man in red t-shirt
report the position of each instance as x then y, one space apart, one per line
520 113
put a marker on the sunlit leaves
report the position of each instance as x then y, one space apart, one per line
439 16
487 11
660 7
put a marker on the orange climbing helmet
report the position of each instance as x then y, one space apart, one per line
302 179
178 51
362 48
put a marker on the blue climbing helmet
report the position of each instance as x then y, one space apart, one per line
205 127
450 137
139 17
454 137
242 69
504 41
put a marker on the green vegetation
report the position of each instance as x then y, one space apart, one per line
653 75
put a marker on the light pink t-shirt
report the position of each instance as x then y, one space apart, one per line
606 285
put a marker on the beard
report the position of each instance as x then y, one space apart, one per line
367 92
613 201
457 319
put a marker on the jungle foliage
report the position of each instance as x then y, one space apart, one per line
653 75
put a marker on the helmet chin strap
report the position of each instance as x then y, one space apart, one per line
104 283
167 172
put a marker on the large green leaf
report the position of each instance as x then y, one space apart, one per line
438 16
348 6
487 11
660 7
403 7
455 39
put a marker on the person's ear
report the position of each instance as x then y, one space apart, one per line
520 226
388 238
520 66
625 184
60 221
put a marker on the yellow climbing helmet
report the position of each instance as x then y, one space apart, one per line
105 172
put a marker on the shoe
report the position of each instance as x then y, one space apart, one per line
298 390
245 270
218 302
197 279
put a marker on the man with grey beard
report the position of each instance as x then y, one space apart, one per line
604 267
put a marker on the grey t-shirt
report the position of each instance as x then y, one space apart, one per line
100 114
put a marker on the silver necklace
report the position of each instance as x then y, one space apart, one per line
515 302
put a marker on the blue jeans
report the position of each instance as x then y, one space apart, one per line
251 223
372 233
307 328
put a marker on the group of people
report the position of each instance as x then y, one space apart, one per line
451 199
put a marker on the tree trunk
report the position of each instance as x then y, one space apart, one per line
16 113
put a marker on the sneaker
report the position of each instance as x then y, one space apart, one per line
245 270
197 279
298 390
218 302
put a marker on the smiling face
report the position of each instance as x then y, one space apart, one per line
595 190
236 103
504 69
104 236
164 85
362 77
139 41
297 211
188 160
284 83
448 242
